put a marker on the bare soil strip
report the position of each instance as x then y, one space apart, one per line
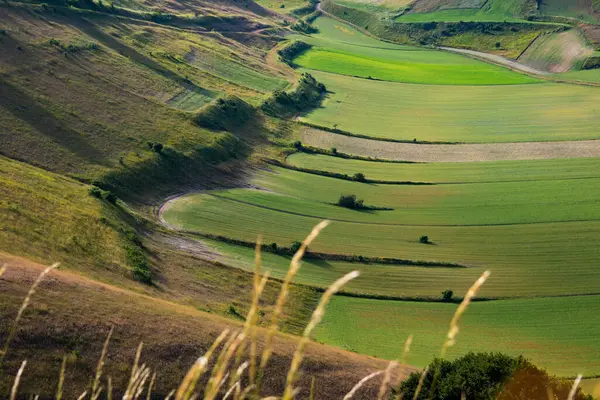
451 152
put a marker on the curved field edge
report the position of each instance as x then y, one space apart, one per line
559 334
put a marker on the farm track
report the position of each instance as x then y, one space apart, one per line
451 152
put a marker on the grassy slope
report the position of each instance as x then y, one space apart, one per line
557 333
454 172
449 113
578 9
341 49
288 5
86 109
494 10
560 52
70 316
516 251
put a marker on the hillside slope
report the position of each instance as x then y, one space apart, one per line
76 325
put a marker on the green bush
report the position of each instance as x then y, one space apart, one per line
486 376
447 295
295 247
96 192
359 177
349 201
424 239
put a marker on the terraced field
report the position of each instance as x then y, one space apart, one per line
479 114
499 171
532 217
493 10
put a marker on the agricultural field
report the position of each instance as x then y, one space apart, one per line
560 52
283 6
297 201
477 114
577 9
338 48
490 11
559 333
478 172
377 5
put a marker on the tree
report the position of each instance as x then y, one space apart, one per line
359 177
498 44
447 295
297 144
333 150
157 148
424 239
486 376
347 201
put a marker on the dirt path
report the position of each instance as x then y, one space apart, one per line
451 152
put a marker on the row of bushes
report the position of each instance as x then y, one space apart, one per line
351 202
307 94
289 251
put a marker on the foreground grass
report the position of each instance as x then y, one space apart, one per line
497 171
559 334
486 114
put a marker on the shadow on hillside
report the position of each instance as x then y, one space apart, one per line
26 108
121 48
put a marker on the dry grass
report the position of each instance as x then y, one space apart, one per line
219 372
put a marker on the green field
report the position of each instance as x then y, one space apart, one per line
341 49
477 114
558 333
520 246
498 171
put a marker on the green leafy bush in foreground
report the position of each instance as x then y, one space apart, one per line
486 376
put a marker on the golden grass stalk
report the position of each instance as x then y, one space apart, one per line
383 388
189 382
250 324
574 387
151 386
61 379
26 301
218 375
96 388
283 294
317 316
453 331
360 384
2 270
311 396
420 384
109 388
15 387
82 395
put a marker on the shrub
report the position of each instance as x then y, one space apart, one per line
333 150
157 148
96 192
447 295
486 376
359 177
297 145
110 197
348 201
296 246
424 239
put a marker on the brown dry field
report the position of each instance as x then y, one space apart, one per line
71 315
450 152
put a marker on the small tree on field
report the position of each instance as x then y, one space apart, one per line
447 295
333 150
424 239
359 177
297 144
157 147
